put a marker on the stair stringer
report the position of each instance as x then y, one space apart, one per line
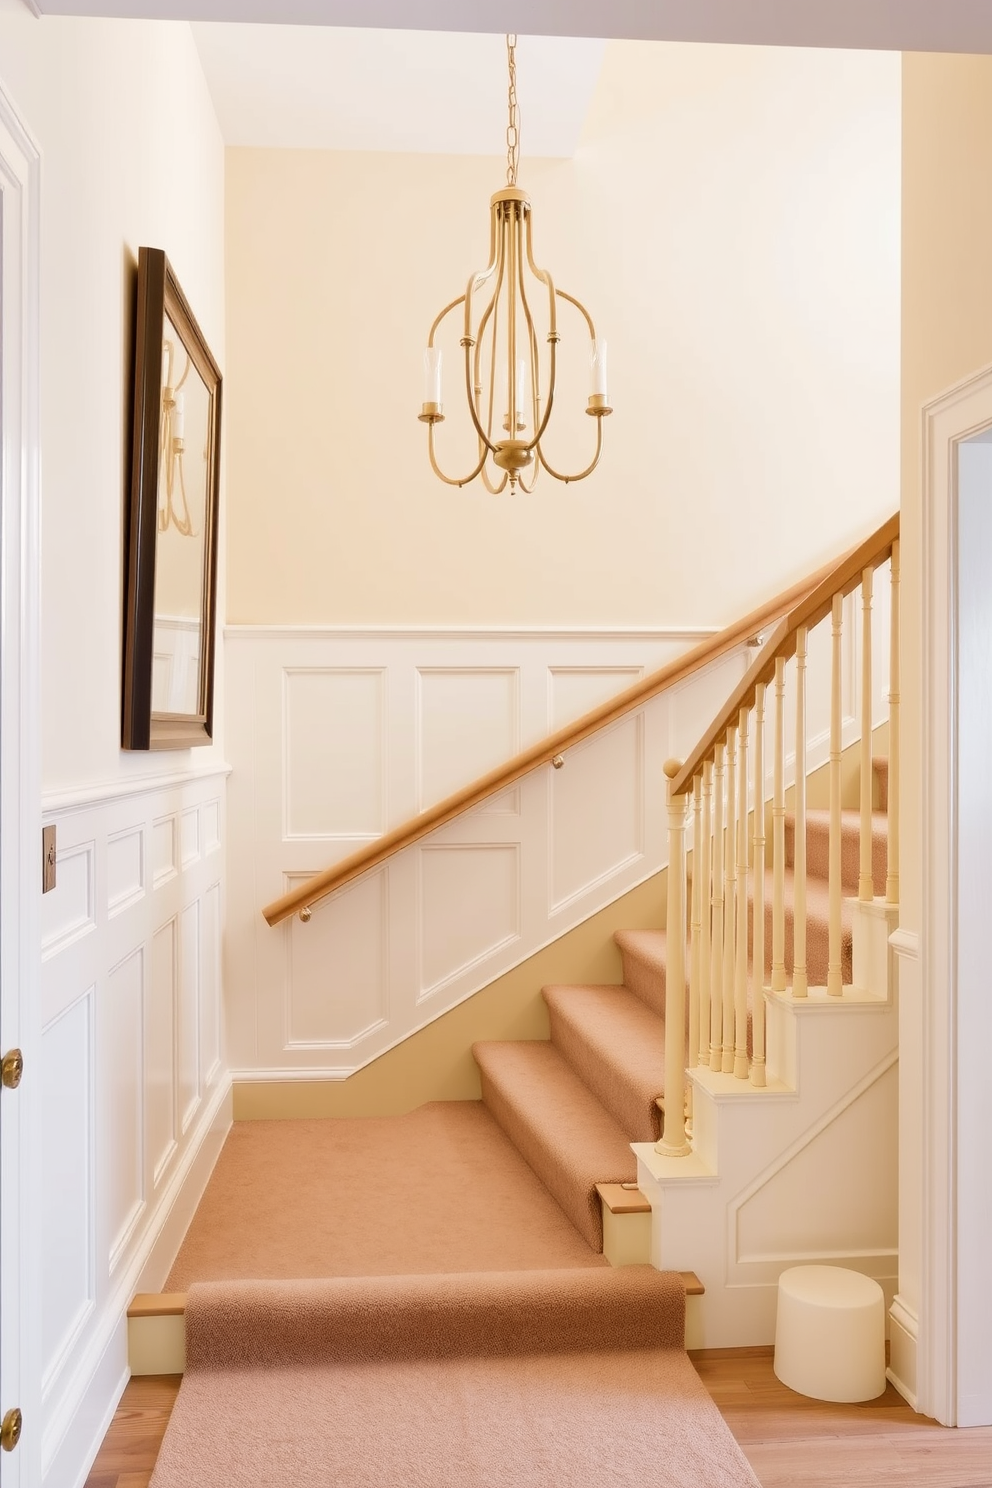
826 1055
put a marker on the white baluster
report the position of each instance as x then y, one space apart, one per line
696 927
740 961
866 882
705 939
800 984
758 913
892 871
730 907
716 943
778 834
835 973
673 1142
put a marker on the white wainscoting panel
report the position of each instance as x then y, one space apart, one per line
337 980
596 810
68 1151
133 1066
469 908
469 722
338 736
125 869
189 1012
122 1039
161 1127
334 747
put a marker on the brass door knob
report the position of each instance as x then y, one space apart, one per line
12 1069
10 1431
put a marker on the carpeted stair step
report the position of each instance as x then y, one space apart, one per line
817 928
616 1045
557 1125
818 847
642 954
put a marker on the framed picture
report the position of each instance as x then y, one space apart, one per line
170 581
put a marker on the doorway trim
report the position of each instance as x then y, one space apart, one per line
20 782
951 1094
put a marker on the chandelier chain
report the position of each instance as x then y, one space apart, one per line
513 124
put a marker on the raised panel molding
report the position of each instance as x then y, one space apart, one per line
117 1154
189 1013
67 1152
337 992
160 1052
190 836
211 1000
469 908
125 869
377 724
122 1039
776 1219
210 814
333 752
69 910
596 812
164 854
468 723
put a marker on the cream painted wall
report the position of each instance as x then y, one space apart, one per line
946 321
731 219
131 154
946 336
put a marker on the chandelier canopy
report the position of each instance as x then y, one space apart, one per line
509 385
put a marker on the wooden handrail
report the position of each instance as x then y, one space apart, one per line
842 578
544 752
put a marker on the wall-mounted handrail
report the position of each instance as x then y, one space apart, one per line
306 894
842 578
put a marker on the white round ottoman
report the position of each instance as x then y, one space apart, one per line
830 1333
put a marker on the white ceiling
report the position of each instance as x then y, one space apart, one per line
394 74
898 25
322 88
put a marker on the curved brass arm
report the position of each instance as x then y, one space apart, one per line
438 319
464 481
581 308
569 479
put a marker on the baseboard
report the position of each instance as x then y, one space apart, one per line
903 1344
185 1191
76 1429
73 1457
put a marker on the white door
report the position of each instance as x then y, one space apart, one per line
20 801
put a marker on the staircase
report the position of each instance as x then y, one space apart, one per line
764 1133
574 1105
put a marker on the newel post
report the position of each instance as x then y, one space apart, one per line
673 1143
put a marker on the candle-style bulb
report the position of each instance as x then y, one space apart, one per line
432 375
598 388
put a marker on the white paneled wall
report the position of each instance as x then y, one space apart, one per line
137 1095
336 737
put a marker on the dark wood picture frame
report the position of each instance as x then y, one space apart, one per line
162 307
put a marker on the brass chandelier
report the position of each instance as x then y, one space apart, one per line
500 335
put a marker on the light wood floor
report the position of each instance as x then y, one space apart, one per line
788 1439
